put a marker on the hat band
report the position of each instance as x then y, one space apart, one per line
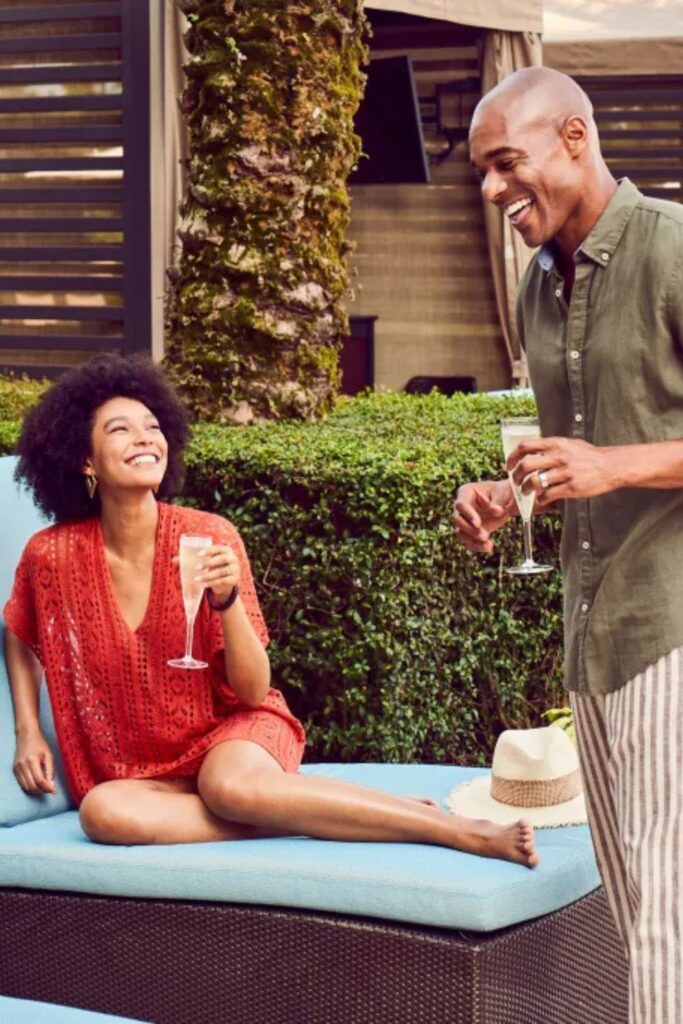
541 793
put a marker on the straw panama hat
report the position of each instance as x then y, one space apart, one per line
535 775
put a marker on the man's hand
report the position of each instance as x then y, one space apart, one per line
562 467
34 765
480 509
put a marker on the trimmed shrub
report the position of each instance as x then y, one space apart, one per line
17 394
389 640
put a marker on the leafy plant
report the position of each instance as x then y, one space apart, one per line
563 718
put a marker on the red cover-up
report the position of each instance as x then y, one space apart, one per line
120 711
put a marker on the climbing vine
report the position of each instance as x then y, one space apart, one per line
256 303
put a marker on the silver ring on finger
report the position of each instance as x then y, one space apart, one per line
543 479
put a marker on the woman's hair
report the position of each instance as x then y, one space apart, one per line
55 439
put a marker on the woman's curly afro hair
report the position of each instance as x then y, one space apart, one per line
55 439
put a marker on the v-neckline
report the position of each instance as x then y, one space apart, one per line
113 596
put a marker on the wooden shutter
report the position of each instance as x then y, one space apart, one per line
74 182
640 120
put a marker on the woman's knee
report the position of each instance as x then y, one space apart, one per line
105 819
234 796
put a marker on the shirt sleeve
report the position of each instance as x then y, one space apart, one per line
226 533
20 609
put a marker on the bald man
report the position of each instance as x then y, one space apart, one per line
600 312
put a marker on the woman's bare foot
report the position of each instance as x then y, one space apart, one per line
509 842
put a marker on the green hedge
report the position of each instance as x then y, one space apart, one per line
390 640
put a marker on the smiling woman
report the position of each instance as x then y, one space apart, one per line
155 753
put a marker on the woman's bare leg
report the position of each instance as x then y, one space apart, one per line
140 811
241 782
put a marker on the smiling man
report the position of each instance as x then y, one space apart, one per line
600 312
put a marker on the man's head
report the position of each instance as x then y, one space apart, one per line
534 143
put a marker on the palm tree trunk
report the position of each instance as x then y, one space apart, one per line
256 305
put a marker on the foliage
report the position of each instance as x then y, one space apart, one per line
256 310
17 394
563 718
390 640
387 637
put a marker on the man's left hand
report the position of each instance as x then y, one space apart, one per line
562 467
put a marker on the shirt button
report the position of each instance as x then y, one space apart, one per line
584 607
578 417
586 547
574 354
558 293
604 256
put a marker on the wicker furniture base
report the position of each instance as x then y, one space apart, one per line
208 963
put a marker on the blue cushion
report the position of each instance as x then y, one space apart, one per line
25 1011
19 521
422 884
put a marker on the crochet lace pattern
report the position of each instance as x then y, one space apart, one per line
120 711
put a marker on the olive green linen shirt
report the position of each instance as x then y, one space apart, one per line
608 368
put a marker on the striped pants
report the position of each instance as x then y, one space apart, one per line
631 748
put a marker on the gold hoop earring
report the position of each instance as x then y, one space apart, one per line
91 484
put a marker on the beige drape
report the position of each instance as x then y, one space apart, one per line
616 56
503 53
506 15
168 148
175 125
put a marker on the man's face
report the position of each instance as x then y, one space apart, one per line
527 171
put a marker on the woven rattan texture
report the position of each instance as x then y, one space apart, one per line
205 963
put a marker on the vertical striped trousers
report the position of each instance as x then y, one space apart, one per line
631 749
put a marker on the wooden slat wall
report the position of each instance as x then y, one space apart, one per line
74 199
421 251
640 120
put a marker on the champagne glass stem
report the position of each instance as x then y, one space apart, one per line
189 634
526 525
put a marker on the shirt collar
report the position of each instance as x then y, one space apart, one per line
606 233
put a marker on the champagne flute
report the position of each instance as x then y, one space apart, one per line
190 552
516 431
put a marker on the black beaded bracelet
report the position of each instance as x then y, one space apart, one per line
222 606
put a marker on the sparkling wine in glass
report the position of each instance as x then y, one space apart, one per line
190 552
516 431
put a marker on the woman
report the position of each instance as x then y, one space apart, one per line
156 754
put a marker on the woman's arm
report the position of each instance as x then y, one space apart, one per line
246 663
33 761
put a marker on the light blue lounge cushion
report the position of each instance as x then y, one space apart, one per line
26 1011
423 884
20 520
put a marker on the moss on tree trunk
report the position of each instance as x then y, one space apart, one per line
256 305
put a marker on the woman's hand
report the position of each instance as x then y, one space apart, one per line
219 568
34 765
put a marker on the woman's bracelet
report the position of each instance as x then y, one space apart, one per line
222 606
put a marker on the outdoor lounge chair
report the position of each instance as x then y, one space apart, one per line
293 931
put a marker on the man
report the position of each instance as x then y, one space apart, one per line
600 312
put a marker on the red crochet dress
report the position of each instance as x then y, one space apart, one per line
120 711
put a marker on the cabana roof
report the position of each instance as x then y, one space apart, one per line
506 15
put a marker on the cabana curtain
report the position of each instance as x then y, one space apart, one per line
505 15
503 53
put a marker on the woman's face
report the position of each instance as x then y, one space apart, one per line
127 448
